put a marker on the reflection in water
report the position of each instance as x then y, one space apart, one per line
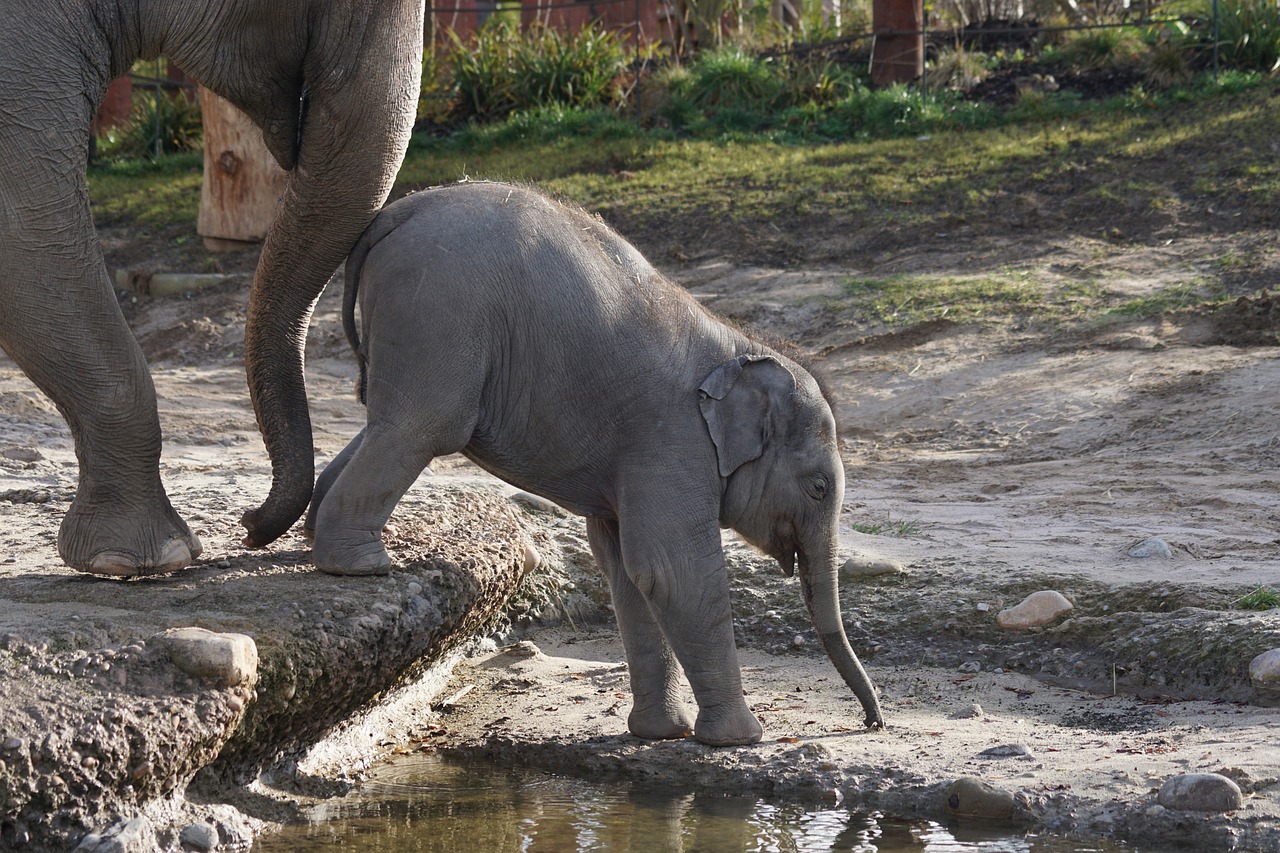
417 804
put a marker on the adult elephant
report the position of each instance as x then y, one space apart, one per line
332 83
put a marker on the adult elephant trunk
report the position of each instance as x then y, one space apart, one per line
818 572
354 131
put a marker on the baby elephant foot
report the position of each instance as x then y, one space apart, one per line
722 727
659 723
334 556
122 546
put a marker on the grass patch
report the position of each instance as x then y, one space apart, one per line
152 194
1173 298
1262 598
900 528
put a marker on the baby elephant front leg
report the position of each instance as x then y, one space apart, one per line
372 474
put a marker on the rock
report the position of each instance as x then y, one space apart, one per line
1152 547
536 503
971 666
225 660
132 836
862 566
971 712
1007 750
1264 674
971 797
1038 608
22 454
200 836
1200 792
523 650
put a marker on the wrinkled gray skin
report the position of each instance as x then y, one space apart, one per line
539 343
332 83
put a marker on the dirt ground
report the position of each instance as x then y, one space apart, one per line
989 461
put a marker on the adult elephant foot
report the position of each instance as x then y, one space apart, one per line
659 723
725 727
99 541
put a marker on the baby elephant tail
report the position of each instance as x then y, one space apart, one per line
388 219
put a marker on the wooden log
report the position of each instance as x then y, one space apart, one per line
242 181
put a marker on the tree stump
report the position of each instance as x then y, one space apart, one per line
242 181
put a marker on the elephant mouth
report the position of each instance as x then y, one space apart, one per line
786 554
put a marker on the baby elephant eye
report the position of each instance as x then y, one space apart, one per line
816 486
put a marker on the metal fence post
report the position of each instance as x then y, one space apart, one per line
1215 41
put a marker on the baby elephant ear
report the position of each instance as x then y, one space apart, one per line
738 400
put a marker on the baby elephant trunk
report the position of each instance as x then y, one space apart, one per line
822 598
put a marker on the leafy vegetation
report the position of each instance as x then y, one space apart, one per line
1262 598
168 123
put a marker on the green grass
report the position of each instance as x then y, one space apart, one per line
152 194
1262 598
889 527
1118 175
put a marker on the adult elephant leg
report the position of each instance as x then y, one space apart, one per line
62 325
657 713
358 117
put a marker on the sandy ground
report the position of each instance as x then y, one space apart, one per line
1011 460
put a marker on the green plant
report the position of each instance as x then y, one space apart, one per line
167 123
1105 47
957 68
503 70
577 68
1262 598
732 77
484 70
1248 33
1167 65
900 528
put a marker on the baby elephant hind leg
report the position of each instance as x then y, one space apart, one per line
409 424
349 522
657 711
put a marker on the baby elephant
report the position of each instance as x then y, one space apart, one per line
536 341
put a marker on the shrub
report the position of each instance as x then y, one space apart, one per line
731 78
504 70
173 119
1109 47
1248 33
956 69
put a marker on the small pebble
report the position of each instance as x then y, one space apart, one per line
12 743
971 712
224 564
1200 792
971 666
1152 547
983 607
1037 609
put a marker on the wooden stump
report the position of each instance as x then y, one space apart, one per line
242 182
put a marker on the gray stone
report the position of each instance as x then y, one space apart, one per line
1264 674
1152 547
225 660
22 454
1007 750
131 836
971 712
971 797
1037 609
1200 792
864 566
200 836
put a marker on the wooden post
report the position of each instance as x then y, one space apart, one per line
242 182
897 58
